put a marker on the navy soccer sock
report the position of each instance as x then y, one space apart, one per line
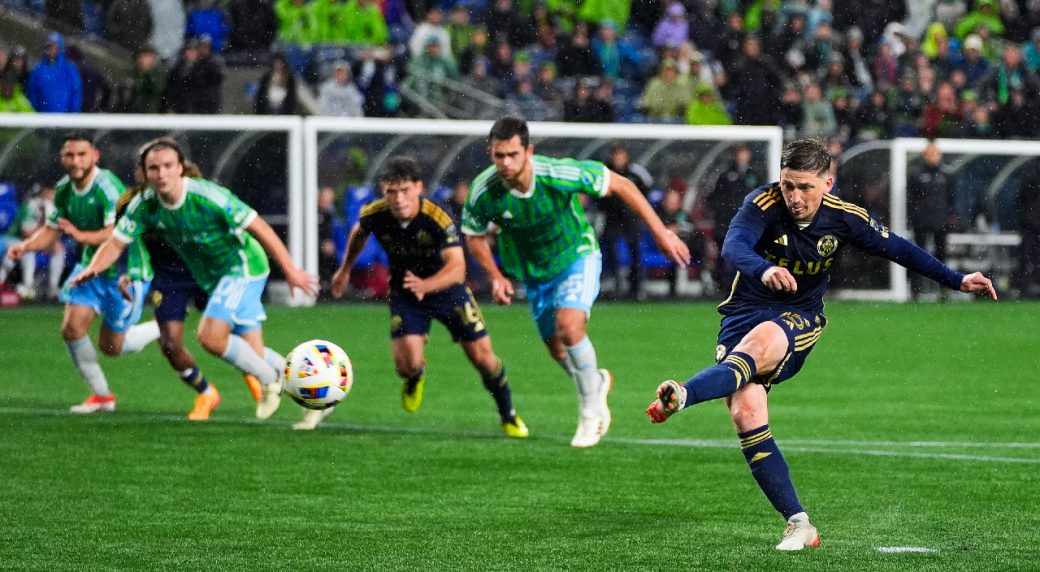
497 385
770 470
732 373
195 380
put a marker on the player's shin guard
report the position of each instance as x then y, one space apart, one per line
86 360
275 360
497 385
242 356
770 470
194 379
582 357
139 336
732 373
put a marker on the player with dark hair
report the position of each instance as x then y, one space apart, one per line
546 241
173 289
783 242
223 241
427 276
85 209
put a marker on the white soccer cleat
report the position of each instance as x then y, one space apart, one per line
590 429
270 399
601 401
800 534
312 418
95 403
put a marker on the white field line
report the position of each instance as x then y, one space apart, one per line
793 445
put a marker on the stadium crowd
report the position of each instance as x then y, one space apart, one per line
848 72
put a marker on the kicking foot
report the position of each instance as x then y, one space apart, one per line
671 396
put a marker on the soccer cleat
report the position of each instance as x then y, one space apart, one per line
205 403
411 394
670 398
312 418
95 403
800 534
270 399
590 430
515 427
255 389
601 403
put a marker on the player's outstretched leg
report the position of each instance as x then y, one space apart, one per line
312 418
239 354
671 397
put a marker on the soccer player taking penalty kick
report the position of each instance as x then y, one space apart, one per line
427 275
223 241
783 242
546 241
85 209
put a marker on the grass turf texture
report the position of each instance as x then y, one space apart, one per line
897 432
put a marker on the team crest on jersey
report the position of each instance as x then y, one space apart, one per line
156 298
395 323
720 353
827 245
423 238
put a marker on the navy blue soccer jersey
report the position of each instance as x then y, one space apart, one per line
763 234
415 246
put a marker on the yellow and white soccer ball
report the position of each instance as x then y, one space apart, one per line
318 374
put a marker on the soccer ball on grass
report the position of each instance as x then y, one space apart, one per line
318 374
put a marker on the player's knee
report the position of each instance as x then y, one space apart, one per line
745 415
169 345
110 348
72 332
212 344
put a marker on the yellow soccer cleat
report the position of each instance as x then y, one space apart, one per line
254 386
516 428
411 394
205 403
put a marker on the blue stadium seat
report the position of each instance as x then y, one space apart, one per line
208 22
8 206
651 255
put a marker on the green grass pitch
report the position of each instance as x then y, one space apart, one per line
910 426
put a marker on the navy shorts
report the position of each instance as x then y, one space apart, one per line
455 308
171 298
803 329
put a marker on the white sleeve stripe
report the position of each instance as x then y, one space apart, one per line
121 237
248 221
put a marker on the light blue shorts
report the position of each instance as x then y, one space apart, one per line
576 287
236 301
102 295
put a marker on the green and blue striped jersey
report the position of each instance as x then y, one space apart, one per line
207 228
92 209
543 230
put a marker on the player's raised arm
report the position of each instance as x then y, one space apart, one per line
451 274
501 287
671 245
296 277
355 244
107 255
